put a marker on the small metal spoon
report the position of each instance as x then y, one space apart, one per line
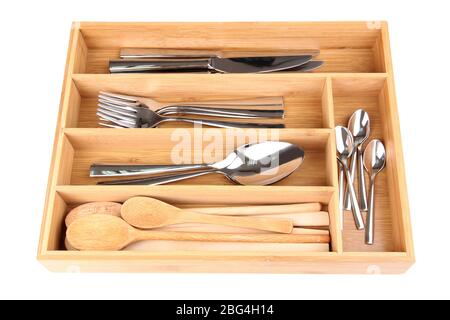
345 149
359 126
374 162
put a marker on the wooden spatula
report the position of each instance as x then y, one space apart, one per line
102 232
148 213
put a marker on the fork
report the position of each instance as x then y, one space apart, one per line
142 117
108 100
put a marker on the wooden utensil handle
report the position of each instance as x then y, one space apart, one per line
228 237
260 210
200 227
306 219
271 224
197 246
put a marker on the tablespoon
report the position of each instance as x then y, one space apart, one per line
374 162
345 149
359 126
252 164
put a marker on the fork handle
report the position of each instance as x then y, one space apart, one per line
258 103
221 112
224 124
119 170
135 66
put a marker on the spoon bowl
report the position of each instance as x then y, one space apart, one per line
264 163
359 126
374 157
344 144
99 232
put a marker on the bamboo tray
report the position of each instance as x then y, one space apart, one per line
357 72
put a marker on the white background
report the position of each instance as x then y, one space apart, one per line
34 38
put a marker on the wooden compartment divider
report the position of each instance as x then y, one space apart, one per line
357 73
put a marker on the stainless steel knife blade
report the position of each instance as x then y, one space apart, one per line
307 67
257 64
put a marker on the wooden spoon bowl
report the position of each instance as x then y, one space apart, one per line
111 208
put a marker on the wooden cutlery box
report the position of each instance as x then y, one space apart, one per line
357 73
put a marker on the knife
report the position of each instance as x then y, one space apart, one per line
220 65
150 53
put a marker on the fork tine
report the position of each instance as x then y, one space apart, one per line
119 96
103 119
109 125
116 101
118 105
117 116
117 110
120 122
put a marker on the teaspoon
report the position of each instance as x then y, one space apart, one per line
374 162
345 149
359 126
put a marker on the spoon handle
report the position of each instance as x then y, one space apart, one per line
348 201
157 180
141 235
361 181
266 224
341 195
354 201
119 170
260 210
370 230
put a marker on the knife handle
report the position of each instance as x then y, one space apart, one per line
157 65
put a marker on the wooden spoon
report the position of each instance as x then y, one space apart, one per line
111 208
102 232
148 213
